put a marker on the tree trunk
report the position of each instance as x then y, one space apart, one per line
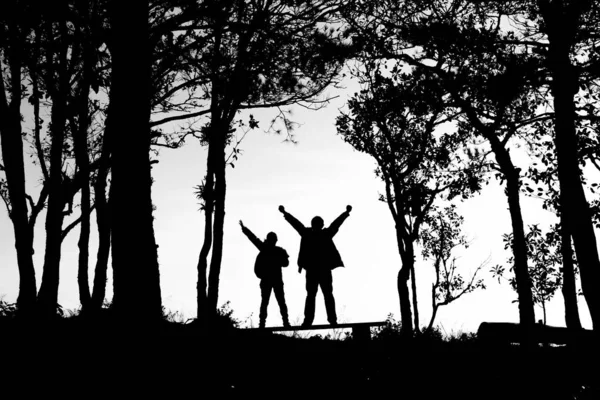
84 235
219 221
544 311
406 329
136 276
48 294
434 287
569 290
103 223
433 315
82 160
208 199
526 309
564 85
414 296
14 168
407 257
511 174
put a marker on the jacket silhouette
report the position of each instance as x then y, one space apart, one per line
267 268
318 256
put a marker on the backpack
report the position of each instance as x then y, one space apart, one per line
268 259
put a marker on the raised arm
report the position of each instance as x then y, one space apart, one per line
335 225
297 225
256 241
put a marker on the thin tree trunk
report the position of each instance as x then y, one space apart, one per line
569 289
407 258
544 311
82 160
414 296
208 199
433 315
14 168
103 223
84 240
219 221
433 290
136 277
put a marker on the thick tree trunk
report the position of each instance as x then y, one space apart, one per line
511 174
136 276
48 294
219 221
572 197
526 310
14 168
569 289
406 328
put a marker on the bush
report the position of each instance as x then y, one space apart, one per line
225 318
175 317
7 310
431 335
390 331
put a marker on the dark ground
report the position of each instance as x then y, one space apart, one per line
175 361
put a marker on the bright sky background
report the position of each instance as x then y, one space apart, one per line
318 176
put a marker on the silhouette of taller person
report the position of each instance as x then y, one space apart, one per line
267 268
318 256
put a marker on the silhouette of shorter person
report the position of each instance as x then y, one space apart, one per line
318 256
267 268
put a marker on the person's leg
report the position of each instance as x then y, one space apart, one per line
280 296
312 285
326 283
265 294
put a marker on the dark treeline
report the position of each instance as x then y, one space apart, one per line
509 75
452 91
111 78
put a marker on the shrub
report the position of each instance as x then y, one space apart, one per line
7 310
391 330
225 318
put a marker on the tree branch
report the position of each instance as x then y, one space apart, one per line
178 117
73 224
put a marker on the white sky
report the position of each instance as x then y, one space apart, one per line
318 176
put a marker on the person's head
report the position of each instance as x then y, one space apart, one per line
317 223
271 238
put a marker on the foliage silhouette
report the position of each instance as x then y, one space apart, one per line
440 237
544 252
394 119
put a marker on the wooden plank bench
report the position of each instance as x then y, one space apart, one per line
507 332
361 331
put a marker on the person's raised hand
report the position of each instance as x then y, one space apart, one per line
348 208
242 224
281 209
